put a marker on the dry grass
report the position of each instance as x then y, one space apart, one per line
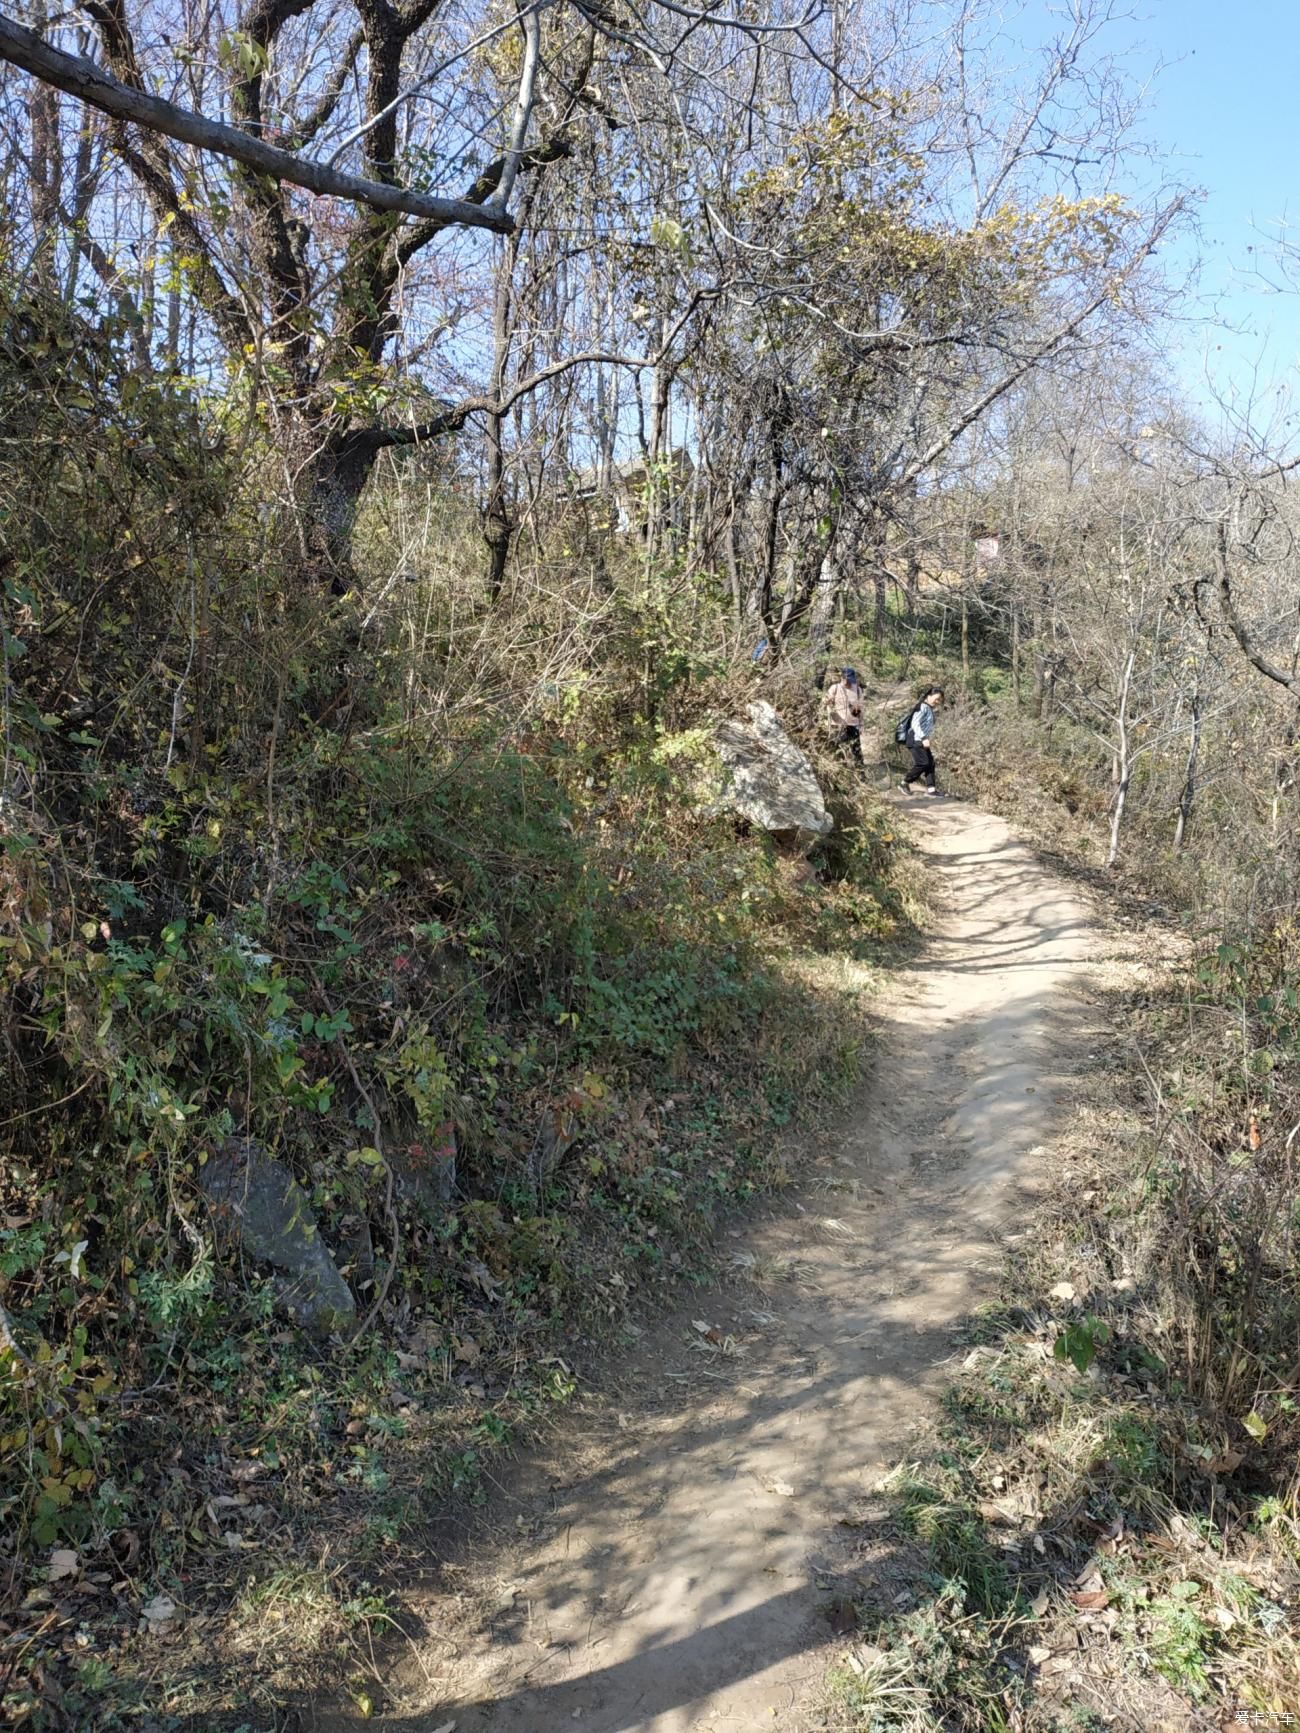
1144 1542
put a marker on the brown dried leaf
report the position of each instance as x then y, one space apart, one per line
1226 1462
1090 1600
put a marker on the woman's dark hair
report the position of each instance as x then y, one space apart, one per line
932 692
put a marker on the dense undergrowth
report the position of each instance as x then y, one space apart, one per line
424 902
1106 1521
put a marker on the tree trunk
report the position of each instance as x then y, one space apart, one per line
733 564
771 528
823 607
1188 794
498 529
1015 653
1123 766
965 643
880 614
338 476
46 165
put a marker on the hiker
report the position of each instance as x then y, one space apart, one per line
844 703
919 740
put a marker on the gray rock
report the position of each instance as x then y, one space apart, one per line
769 780
258 1204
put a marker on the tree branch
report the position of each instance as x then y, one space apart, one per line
454 416
88 82
553 150
531 24
1040 352
1255 657
311 124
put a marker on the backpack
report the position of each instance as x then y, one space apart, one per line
903 726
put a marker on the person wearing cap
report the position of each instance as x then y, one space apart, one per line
844 707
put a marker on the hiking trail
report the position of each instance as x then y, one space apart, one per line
675 1558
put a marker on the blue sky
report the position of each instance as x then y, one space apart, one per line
1223 110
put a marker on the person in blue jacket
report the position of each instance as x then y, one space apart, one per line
920 742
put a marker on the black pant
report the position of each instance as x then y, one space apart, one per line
922 764
852 738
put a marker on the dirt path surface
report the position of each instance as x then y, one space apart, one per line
678 1564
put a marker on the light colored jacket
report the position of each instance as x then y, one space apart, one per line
922 723
845 705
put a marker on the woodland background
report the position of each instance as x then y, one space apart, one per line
372 582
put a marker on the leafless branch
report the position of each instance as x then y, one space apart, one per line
89 83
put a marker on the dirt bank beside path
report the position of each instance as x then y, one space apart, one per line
679 1563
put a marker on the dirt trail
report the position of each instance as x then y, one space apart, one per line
680 1573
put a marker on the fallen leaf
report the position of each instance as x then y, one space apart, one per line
63 1563
466 1350
1038 1654
843 1617
1162 1543
782 1488
158 1616
1226 1462
1256 1425
1108 1545
1185 1534
1063 1291
1091 1601
483 1278
126 1544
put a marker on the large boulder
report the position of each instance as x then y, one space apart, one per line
258 1205
769 780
